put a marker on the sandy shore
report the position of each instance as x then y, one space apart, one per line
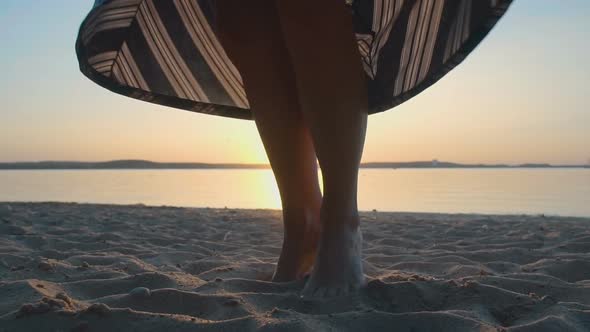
72 267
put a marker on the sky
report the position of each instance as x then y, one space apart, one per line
521 96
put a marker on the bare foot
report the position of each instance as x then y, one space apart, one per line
338 270
300 245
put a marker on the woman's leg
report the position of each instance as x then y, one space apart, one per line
250 33
332 93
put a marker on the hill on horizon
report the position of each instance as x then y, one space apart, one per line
146 164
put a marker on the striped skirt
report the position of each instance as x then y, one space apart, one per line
166 51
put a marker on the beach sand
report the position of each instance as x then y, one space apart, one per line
79 267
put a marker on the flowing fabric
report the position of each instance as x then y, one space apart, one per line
166 51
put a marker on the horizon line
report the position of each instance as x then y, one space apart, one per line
146 164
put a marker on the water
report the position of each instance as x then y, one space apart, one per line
502 191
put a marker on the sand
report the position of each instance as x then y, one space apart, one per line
78 267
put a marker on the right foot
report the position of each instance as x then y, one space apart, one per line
300 244
338 270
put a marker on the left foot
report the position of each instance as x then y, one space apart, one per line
300 244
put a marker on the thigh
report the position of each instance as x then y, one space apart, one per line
324 53
250 33
319 30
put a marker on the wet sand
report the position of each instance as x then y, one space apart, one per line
82 267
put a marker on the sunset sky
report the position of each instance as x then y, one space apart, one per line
521 96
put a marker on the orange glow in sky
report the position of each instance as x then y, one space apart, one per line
521 96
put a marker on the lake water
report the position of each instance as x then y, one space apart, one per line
502 191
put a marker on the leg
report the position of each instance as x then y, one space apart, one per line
251 36
332 94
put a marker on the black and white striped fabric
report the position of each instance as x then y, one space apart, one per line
166 51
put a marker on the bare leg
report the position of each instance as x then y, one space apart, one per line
332 94
251 36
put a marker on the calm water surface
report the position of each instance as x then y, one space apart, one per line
503 191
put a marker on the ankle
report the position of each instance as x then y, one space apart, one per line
340 218
300 221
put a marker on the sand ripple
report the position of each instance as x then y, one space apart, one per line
73 267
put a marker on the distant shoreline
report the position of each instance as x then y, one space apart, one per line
145 164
